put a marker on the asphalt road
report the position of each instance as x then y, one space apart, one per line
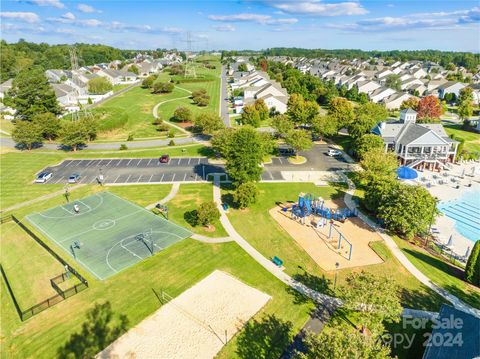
224 98
185 169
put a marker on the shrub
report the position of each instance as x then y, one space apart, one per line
171 134
207 213
246 194
171 143
183 114
162 87
472 270
130 137
123 147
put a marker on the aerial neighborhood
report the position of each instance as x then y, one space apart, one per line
239 180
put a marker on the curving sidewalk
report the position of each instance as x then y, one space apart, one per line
155 109
392 246
173 192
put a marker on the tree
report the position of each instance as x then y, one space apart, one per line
49 125
250 116
242 67
246 194
27 134
299 140
472 269
393 81
367 143
207 213
90 125
366 117
134 69
378 165
183 114
222 140
31 94
407 210
282 124
208 122
73 134
99 330
342 342
429 108
411 102
200 97
160 86
262 109
325 126
267 142
300 111
465 103
376 297
244 154
99 86
342 111
148 81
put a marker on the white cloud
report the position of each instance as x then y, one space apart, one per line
68 16
224 28
89 22
29 17
87 8
54 3
319 8
439 20
247 17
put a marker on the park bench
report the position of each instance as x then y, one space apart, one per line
277 261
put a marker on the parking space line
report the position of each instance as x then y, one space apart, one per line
108 163
138 163
280 160
116 179
150 180
129 162
88 164
149 161
128 178
180 160
118 164
161 179
185 176
93 179
199 161
173 177
188 161
138 180
58 180
196 177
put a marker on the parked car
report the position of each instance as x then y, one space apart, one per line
164 159
43 177
333 153
73 178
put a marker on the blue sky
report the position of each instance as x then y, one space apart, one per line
214 24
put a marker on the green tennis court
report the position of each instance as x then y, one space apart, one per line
106 233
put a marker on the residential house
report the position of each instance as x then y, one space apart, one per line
118 77
379 94
367 86
67 96
394 101
452 87
417 145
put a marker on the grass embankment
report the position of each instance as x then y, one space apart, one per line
472 139
18 169
261 231
175 269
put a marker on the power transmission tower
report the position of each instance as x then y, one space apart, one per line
82 112
189 65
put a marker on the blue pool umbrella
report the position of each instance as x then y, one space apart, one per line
405 172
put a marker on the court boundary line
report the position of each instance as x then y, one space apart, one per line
79 214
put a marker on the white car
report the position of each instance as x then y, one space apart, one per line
333 153
43 177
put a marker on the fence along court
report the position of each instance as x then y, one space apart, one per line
105 233
68 276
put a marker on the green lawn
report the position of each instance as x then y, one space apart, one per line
262 232
7 126
174 270
119 87
18 169
441 273
181 208
143 195
472 139
28 266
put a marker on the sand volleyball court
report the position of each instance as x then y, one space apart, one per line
196 324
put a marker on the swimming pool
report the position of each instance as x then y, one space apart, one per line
465 211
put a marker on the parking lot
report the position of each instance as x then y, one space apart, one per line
187 169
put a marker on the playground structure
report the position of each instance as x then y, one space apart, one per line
308 205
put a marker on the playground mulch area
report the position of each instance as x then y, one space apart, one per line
325 251
196 324
108 234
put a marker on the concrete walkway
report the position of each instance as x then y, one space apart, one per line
392 246
173 192
155 109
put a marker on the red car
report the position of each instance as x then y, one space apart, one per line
164 159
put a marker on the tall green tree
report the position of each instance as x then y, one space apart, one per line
325 126
262 109
73 134
27 134
183 114
244 155
472 269
376 297
393 81
299 140
342 342
250 116
31 94
366 117
49 125
342 111
377 164
282 124
465 103
367 143
246 194
207 213
208 122
99 86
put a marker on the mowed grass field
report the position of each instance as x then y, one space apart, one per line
472 140
28 266
175 269
261 231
